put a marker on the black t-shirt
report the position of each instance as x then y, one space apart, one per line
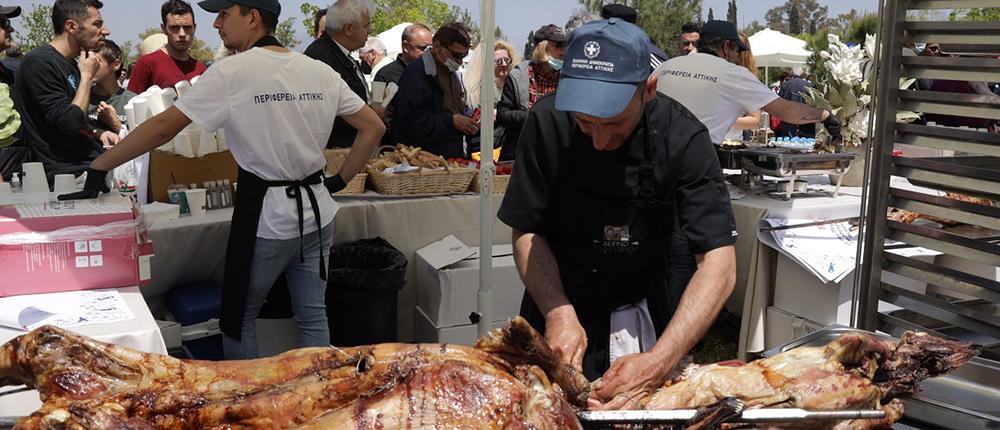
392 72
700 196
51 126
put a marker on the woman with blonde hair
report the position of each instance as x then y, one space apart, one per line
504 55
751 120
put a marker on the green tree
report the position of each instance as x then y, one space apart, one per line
38 27
285 33
731 13
711 14
128 52
979 14
811 16
859 29
752 28
198 50
529 45
794 25
661 19
309 14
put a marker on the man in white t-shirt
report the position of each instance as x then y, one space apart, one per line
718 91
277 108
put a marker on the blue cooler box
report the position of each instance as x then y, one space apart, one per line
196 307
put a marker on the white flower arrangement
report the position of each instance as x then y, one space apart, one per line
844 85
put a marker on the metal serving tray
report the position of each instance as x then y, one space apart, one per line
789 162
966 398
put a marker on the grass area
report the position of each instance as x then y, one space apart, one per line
719 344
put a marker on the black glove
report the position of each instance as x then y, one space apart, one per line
832 126
95 185
335 183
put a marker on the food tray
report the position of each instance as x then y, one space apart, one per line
965 398
422 181
728 158
356 186
787 162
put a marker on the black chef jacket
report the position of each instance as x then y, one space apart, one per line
559 179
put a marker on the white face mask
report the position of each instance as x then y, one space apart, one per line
452 65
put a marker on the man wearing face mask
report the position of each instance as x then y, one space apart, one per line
431 106
528 82
348 23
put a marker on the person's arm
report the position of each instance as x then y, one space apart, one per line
509 113
88 65
150 135
370 131
540 273
749 121
794 112
48 90
633 376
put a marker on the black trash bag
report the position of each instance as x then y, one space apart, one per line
361 292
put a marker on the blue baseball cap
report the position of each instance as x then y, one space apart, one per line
604 62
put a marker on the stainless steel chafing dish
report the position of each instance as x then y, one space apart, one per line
965 398
790 164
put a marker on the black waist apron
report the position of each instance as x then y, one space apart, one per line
611 252
243 238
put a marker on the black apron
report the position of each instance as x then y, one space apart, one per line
612 252
243 237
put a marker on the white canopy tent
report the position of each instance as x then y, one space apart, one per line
393 39
776 49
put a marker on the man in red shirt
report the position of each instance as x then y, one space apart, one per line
172 63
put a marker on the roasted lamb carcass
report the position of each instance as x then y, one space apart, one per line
856 371
511 381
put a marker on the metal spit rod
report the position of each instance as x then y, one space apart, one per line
764 415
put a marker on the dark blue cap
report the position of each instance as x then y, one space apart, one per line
214 6
604 62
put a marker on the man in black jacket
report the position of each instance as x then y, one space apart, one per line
53 91
348 23
431 107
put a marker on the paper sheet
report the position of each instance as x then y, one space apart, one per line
66 310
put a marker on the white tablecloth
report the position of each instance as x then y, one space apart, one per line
194 249
141 333
755 261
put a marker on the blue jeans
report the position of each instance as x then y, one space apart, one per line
307 289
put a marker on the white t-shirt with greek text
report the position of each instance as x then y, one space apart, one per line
277 110
716 91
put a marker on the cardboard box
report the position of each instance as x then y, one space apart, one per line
781 327
425 331
68 246
211 167
801 294
448 282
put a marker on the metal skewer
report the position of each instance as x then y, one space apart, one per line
772 415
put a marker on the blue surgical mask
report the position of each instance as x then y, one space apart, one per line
556 64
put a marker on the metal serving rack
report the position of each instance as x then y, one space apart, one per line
963 300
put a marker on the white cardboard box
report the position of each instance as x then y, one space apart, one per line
799 293
425 331
448 282
781 327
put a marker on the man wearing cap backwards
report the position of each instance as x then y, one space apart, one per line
603 165
277 109
718 91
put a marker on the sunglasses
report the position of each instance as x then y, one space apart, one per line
457 56
5 23
503 62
